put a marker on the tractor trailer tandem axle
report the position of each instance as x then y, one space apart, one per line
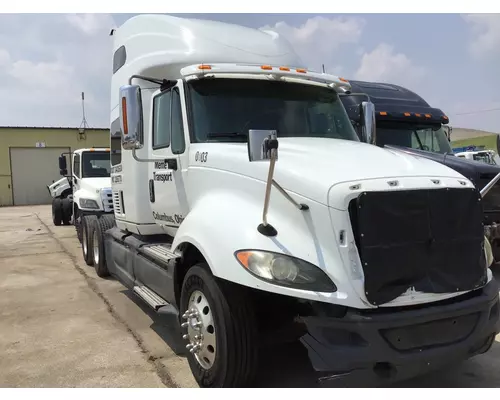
248 213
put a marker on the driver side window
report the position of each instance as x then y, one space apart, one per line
76 165
161 120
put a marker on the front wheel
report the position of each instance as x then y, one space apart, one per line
66 211
57 211
221 330
87 235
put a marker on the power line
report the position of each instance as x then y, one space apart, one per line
478 111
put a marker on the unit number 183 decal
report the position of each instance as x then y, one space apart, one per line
201 156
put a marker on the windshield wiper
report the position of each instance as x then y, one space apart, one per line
229 135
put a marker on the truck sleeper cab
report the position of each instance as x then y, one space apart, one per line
247 211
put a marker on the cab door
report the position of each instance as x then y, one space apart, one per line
166 178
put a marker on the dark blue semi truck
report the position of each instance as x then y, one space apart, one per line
405 120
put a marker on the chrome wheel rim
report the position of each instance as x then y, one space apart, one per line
95 245
201 332
84 240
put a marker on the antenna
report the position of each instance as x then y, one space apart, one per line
84 125
323 67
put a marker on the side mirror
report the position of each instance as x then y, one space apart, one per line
369 124
261 144
63 168
131 121
62 162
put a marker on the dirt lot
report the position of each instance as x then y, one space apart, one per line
62 326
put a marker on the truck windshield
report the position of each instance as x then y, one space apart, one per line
96 164
226 109
422 137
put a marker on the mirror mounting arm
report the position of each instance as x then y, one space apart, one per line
267 149
300 206
144 159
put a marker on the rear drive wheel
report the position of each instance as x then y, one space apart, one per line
101 225
66 211
57 212
87 235
220 327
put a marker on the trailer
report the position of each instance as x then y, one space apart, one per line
247 210
404 120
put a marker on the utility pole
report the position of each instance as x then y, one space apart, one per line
84 123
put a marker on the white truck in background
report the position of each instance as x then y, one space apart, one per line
90 184
486 156
247 210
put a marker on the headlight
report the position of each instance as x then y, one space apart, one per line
284 270
89 203
488 252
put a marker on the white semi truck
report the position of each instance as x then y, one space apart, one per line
246 207
86 190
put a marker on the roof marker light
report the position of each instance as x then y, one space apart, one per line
301 70
418 115
343 80
428 115
203 66
266 67
284 69
383 112
407 114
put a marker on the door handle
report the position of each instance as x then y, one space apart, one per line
151 190
171 163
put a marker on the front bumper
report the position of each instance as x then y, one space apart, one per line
382 346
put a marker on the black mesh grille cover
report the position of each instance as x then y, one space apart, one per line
429 239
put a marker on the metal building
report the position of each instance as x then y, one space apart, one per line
29 159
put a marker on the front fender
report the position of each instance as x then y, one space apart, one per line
86 194
219 228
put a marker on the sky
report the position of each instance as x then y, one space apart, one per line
451 60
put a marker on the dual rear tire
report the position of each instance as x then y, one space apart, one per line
61 211
93 230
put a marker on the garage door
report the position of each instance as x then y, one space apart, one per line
32 170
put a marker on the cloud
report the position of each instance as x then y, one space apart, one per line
485 29
91 24
46 61
318 39
385 65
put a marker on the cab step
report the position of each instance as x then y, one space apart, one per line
150 297
159 252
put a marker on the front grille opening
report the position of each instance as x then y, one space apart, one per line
429 239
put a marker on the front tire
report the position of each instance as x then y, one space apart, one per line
57 211
87 234
66 211
100 226
221 330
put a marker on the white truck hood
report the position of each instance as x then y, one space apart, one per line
310 167
95 184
